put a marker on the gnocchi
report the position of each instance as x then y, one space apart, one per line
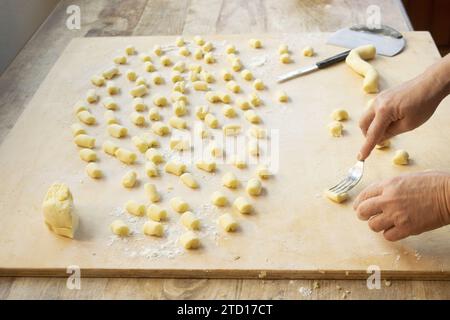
285 58
118 227
282 96
137 118
110 147
231 129
258 84
179 205
227 222
246 75
200 85
160 128
153 228
255 43
125 156
339 115
308 51
243 205
335 128
151 192
156 213
189 240
110 117
88 155
229 180
131 75
91 96
254 187
139 91
129 179
219 199
154 156
110 73
77 129
134 208
252 117
86 117
190 221
206 165
211 121
109 103
177 122
139 104
336 197
189 180
159 100
117 131
401 157
175 167
98 80
151 170
93 170
355 60
84 141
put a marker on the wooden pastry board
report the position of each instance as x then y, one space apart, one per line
293 233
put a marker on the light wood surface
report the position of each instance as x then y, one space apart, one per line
21 80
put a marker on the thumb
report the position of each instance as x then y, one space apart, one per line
374 134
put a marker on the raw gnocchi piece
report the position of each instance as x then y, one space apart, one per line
153 228
141 81
109 103
195 67
215 150
232 129
130 50
190 221
110 147
140 144
180 66
339 115
149 67
189 180
252 116
179 205
77 129
207 47
201 112
139 104
285 58
208 77
135 208
254 99
179 41
258 84
137 118
151 141
98 80
228 111
242 104
79 106
335 128
175 167
93 170
157 78
209 58
401 157
129 179
86 117
154 156
179 108
131 75
255 43
230 49
198 54
201 131
213 97
226 75
257 132
159 100
233 86
224 97
239 162
84 141
246 75
139 91
151 192
282 96
199 40
383 144
180 87
166 61
156 213
236 65
157 50
243 205
183 51
125 156
229 180
118 227
283 48
88 155
206 165
227 222
178 96
176 77
153 114
254 187
151 170
177 144
253 147
177 122
120 59
263 171
308 51
200 85
145 57
336 197
117 131
219 199
189 240
91 96
160 128
211 121
110 73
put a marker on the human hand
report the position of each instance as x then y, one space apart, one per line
406 205
397 110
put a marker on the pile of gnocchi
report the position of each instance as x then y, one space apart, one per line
190 74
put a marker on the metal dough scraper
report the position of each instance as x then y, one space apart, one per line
387 41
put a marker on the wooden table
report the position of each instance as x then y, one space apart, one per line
156 17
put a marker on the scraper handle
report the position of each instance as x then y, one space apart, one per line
332 60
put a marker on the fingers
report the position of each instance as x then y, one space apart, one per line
373 190
369 208
381 222
394 129
366 120
395 234
374 134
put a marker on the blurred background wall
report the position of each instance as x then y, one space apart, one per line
19 19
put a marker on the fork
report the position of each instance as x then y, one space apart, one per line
352 178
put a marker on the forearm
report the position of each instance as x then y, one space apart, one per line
446 202
437 78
